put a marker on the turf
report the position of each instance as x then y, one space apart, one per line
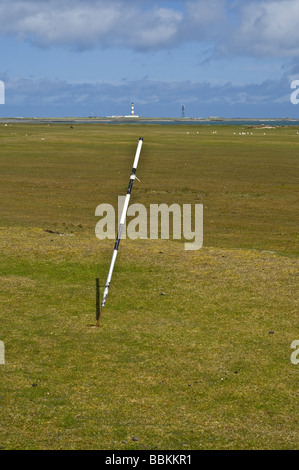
205 366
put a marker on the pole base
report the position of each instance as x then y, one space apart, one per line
98 322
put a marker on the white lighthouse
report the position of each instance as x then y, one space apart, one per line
132 115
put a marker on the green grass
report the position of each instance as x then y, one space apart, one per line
206 366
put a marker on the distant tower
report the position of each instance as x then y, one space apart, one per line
183 111
132 109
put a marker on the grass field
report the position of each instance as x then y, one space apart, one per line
206 366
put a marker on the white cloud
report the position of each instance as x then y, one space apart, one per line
65 23
86 24
249 28
267 28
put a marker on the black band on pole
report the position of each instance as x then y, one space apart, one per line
130 186
97 298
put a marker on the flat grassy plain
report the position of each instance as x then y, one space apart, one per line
205 366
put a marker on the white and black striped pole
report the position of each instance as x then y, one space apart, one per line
120 228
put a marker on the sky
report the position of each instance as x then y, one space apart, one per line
226 58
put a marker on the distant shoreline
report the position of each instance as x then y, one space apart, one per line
144 120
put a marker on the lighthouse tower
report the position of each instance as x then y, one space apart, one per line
132 115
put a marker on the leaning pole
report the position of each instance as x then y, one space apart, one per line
120 228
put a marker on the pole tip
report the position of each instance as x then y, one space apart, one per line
140 138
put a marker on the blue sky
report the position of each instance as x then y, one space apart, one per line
94 57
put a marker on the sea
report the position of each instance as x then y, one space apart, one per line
160 121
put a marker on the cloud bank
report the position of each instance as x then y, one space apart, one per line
151 98
259 28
